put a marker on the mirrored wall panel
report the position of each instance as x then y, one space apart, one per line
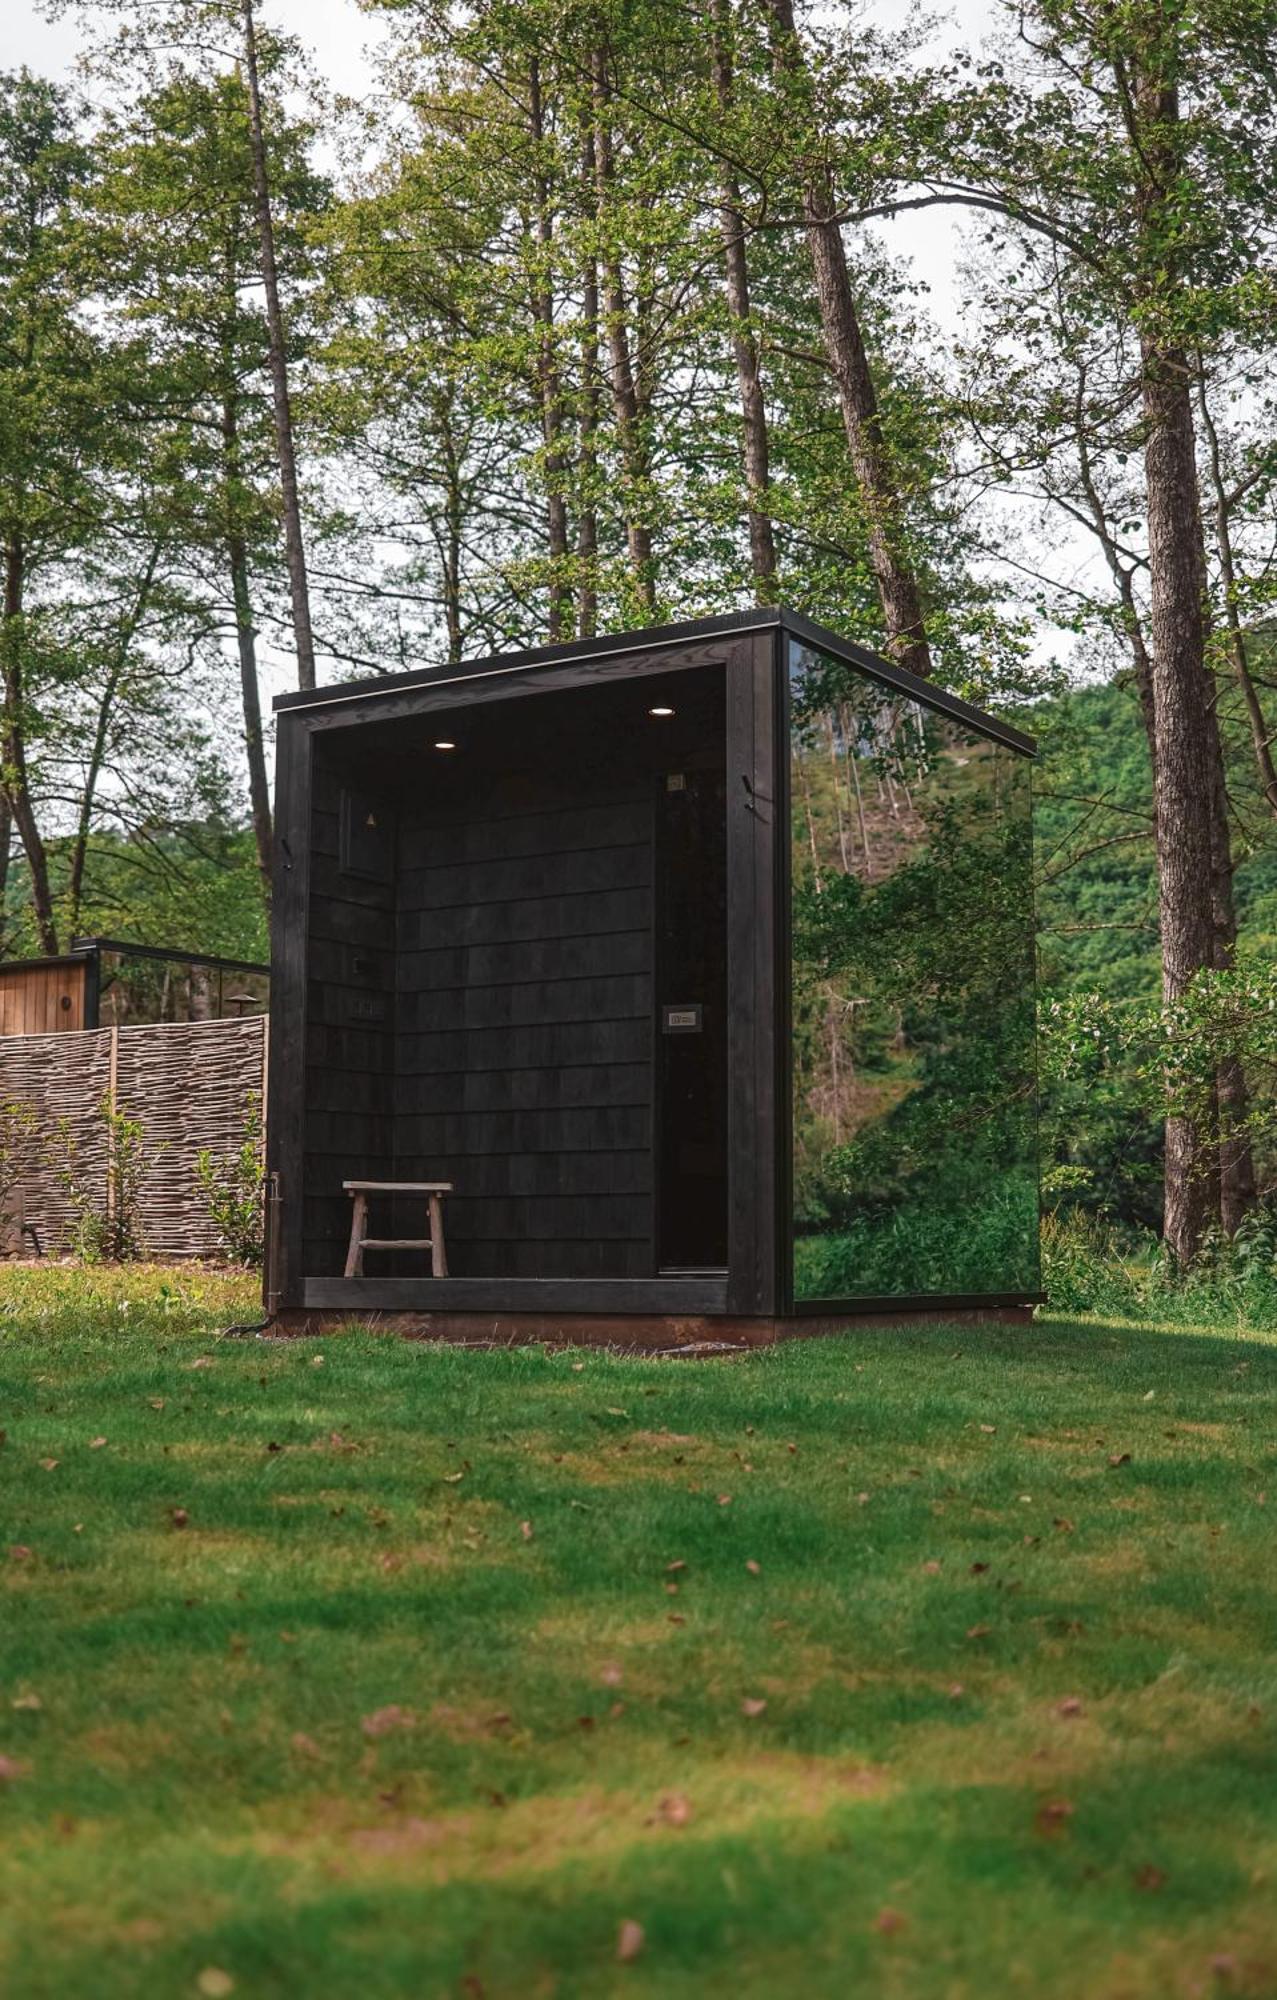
914 1144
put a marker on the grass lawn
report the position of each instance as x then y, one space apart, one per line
904 1664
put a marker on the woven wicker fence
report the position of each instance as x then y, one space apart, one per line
188 1083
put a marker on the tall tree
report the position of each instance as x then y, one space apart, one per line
1155 209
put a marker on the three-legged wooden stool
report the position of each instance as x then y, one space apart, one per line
433 1193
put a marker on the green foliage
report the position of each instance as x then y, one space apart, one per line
1091 1266
107 1208
234 1188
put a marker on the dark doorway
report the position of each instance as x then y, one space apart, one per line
691 1021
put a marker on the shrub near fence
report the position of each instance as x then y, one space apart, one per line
191 1085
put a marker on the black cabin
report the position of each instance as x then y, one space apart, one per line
698 962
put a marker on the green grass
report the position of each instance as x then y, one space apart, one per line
1020 1711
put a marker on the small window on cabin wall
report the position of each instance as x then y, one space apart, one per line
367 836
914 1115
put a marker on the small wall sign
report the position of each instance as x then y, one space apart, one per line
682 1020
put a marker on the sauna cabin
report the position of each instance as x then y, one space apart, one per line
696 964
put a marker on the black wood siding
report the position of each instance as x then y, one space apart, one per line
524 1026
348 1127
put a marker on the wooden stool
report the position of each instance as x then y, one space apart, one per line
433 1191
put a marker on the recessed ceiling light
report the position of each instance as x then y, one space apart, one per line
660 711
445 746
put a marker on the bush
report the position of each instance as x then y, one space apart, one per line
108 1224
234 1190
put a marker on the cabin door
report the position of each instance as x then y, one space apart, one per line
691 1021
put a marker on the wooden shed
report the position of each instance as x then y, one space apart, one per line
697 963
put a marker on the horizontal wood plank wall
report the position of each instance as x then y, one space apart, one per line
524 1024
347 1131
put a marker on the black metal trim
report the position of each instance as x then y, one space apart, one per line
926 692
656 638
170 954
784 1055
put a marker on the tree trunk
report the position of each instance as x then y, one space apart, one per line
454 512
625 400
294 546
6 843
1187 768
897 586
12 729
548 380
1183 777
754 440
246 644
587 518
101 737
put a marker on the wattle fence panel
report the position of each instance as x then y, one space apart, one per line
189 1084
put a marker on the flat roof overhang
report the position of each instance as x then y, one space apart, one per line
367 694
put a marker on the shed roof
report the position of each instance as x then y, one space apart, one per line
651 638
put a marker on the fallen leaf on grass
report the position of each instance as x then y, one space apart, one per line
215 1984
383 1720
752 1705
629 1940
890 1920
27 1701
11 1769
674 1809
408 1834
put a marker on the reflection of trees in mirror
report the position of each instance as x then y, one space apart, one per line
912 998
